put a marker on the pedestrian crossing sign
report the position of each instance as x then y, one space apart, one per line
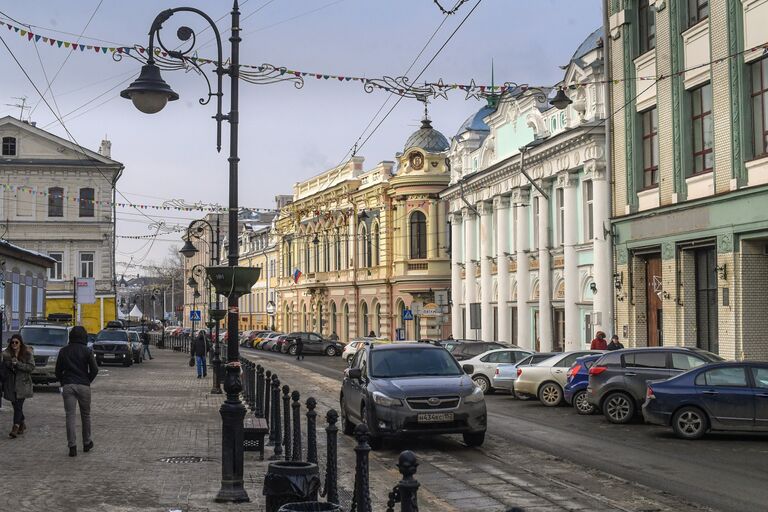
407 314
194 315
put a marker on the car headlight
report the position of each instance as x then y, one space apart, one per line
382 399
475 396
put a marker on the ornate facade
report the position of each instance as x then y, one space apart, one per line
533 260
361 249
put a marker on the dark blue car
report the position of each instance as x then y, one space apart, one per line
575 391
719 396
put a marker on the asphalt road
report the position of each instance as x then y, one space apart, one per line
723 471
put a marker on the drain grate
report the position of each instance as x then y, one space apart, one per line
183 459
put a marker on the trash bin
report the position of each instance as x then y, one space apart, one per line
311 506
290 482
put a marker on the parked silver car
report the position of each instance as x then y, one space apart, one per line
45 340
506 374
486 363
547 379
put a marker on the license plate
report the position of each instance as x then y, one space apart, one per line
435 417
109 356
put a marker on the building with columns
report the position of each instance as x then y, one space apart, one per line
532 257
360 249
691 173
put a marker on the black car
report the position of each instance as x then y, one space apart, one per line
462 350
411 389
113 345
617 381
313 343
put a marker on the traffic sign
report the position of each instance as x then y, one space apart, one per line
407 314
194 315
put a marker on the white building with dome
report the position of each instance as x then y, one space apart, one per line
534 262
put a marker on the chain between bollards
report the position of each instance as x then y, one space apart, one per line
311 431
330 489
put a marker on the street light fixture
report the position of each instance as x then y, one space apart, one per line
189 249
149 94
561 100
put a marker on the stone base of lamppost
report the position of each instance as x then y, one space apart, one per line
232 415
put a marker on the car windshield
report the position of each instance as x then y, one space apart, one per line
412 362
107 335
44 336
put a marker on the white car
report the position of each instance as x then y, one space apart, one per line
485 364
547 379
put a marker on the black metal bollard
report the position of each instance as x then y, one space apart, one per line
287 422
330 489
259 391
311 430
296 407
361 500
405 490
278 440
267 402
251 385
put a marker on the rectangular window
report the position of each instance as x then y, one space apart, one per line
646 360
559 198
55 202
650 120
760 106
86 264
698 10
39 302
86 202
27 296
647 24
589 211
702 129
535 223
56 272
9 146
706 299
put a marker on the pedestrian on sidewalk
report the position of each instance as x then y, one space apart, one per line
615 344
599 342
299 348
18 363
145 344
76 368
199 350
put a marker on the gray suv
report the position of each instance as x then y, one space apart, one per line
411 389
313 343
617 381
46 340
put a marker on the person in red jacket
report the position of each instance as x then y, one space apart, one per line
599 342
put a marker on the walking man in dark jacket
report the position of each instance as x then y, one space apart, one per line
76 368
145 343
199 350
299 348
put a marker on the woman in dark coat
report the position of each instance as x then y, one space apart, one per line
18 364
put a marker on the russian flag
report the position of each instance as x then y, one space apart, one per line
296 276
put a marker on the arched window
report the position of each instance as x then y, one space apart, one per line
365 250
337 243
306 255
377 319
316 243
55 202
86 202
304 323
326 254
346 322
332 314
9 146
364 327
375 244
418 234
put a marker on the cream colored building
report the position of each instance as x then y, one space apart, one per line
58 199
362 250
690 155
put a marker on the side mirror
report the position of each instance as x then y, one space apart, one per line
354 373
468 369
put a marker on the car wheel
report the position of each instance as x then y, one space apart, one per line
346 426
690 423
482 382
474 439
330 351
619 408
581 404
550 394
293 350
374 442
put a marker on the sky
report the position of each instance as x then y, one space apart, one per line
286 134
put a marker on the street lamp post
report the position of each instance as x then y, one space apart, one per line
149 93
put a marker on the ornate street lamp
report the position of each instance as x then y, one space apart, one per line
561 100
189 249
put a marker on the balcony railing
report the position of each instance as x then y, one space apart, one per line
418 266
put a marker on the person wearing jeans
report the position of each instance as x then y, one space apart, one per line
199 350
76 368
18 364
145 344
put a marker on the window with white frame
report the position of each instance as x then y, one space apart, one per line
9 146
86 264
759 91
560 202
589 211
28 296
40 299
56 273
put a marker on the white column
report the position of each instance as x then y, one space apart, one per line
456 259
433 228
469 263
501 207
603 300
486 279
545 279
573 335
524 337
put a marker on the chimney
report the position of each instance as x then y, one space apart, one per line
105 149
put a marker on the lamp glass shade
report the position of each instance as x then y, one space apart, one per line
561 100
189 249
149 92
191 282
